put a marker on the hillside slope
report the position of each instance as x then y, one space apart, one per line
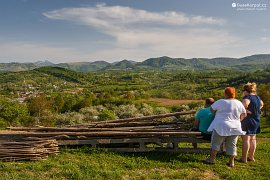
249 63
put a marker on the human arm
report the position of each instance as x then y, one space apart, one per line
261 104
246 102
196 123
197 119
213 110
242 116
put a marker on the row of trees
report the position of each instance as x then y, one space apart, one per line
39 111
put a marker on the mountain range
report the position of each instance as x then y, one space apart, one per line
248 63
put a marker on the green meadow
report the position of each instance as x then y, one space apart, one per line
87 163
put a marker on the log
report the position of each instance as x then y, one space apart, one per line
73 129
146 117
107 127
24 149
95 134
130 124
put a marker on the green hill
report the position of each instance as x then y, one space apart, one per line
61 73
249 63
85 66
124 64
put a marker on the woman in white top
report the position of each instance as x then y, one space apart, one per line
226 125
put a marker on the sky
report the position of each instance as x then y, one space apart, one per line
113 30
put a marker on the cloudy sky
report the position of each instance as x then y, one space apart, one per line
113 30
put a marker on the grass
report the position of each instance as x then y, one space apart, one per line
87 163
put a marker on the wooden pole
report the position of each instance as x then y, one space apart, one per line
95 134
145 117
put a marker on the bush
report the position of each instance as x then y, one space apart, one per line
3 123
162 110
90 113
47 119
71 118
106 115
127 111
146 110
183 107
13 113
195 105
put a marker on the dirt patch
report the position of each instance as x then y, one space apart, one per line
171 102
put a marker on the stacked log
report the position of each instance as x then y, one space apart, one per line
27 149
152 128
138 124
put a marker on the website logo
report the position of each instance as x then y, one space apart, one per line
249 6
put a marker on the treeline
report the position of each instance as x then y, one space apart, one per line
70 110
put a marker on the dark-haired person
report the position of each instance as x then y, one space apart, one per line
251 123
226 125
204 118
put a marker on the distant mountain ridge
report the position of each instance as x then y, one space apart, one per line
248 63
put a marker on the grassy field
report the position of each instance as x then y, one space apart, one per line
87 163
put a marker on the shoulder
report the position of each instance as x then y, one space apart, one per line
235 101
258 97
247 97
217 104
219 101
201 111
239 104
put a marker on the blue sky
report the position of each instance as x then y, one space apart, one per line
113 30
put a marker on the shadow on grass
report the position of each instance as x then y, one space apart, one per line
161 156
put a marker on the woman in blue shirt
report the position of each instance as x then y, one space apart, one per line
251 123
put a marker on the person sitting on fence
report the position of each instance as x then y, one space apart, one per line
204 118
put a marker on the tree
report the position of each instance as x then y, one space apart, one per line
38 105
106 115
264 93
13 113
58 103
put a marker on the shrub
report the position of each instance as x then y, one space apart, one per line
71 118
47 119
106 115
146 110
90 113
162 110
183 107
127 111
3 123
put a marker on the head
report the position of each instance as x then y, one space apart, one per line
209 102
229 92
250 88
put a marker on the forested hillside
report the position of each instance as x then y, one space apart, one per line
249 63
55 96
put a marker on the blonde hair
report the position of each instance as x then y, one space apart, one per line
250 87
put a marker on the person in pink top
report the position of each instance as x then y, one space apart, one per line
226 126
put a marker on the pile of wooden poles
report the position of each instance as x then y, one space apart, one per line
27 149
102 132
139 126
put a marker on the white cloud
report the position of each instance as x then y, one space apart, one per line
137 35
149 34
130 25
103 16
